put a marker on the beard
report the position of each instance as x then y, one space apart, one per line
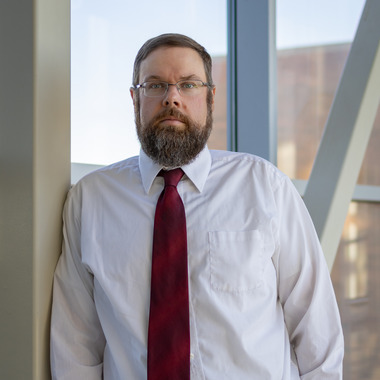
169 146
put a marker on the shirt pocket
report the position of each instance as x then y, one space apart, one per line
238 259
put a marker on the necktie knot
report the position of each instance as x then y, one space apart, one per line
172 177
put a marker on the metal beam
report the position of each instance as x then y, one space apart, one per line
341 152
362 193
252 83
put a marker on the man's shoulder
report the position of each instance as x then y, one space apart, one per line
226 155
223 157
104 182
248 170
120 168
110 175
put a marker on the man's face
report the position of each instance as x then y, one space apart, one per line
173 128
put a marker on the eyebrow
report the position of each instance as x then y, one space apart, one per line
158 78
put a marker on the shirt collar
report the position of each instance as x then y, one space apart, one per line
197 171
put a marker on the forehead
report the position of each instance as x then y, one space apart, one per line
172 63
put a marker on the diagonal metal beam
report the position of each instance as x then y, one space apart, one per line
341 152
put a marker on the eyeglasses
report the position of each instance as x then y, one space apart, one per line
184 87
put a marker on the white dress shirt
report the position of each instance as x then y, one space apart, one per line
261 301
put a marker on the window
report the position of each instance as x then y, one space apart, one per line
356 279
105 39
314 41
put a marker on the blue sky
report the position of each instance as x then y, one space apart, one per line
303 22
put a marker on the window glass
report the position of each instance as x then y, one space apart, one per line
313 40
106 36
370 173
356 282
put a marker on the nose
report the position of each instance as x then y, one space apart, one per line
172 96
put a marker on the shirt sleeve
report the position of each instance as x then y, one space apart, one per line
77 339
305 291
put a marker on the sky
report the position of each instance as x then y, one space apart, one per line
305 23
106 35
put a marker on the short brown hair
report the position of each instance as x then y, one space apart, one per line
174 40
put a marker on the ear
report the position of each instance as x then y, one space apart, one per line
213 98
132 92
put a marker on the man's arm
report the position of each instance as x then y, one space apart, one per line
306 293
77 340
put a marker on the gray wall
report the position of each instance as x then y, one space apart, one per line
34 175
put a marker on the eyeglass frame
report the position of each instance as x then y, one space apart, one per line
141 85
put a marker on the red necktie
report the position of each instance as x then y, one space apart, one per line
169 332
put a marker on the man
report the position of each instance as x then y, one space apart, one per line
259 302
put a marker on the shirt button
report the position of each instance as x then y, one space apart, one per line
191 357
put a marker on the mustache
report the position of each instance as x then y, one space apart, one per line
170 112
